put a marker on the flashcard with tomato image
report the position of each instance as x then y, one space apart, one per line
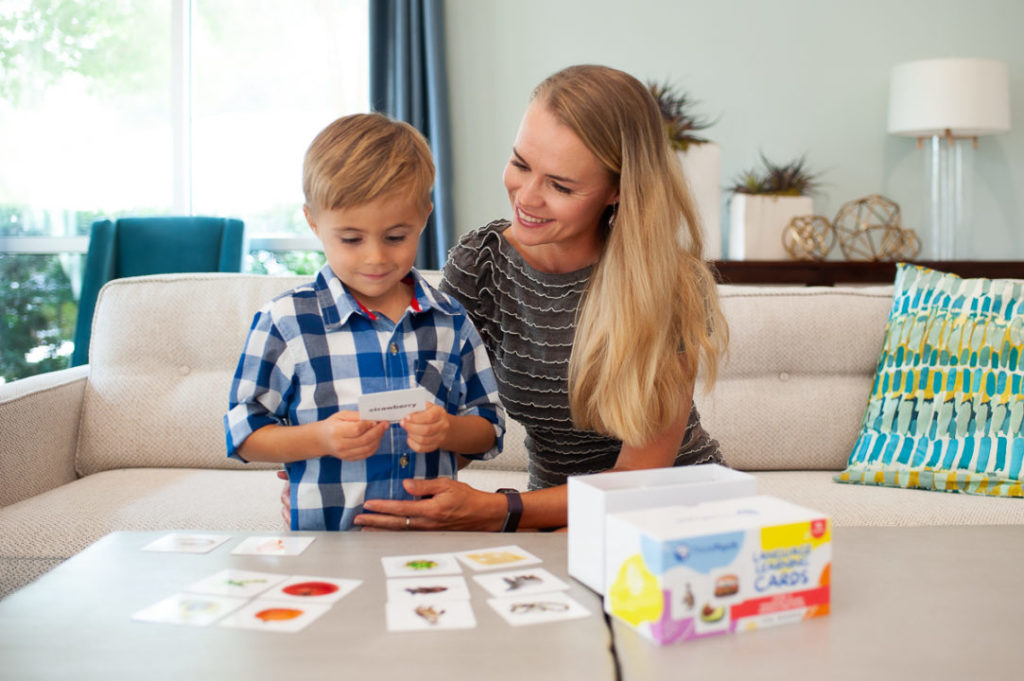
278 616
196 610
272 546
492 558
187 543
241 583
300 589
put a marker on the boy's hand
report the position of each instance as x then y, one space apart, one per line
426 430
348 438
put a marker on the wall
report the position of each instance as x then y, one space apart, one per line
786 78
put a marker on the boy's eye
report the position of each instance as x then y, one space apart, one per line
396 239
351 240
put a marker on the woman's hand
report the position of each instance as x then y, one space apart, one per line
449 505
426 430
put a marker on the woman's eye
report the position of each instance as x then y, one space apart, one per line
518 164
561 188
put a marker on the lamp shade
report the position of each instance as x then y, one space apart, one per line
968 97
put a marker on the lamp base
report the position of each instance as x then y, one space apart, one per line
949 171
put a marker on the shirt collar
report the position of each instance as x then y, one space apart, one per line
337 304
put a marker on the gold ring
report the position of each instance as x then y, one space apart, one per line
408 522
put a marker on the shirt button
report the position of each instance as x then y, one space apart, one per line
403 461
393 348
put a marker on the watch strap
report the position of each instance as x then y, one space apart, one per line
515 509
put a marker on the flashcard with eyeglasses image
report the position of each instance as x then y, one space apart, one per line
538 608
429 615
241 583
418 565
428 589
300 589
526 581
272 546
187 543
279 616
492 558
196 610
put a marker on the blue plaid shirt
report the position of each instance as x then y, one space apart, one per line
313 350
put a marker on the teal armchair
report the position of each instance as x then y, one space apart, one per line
131 247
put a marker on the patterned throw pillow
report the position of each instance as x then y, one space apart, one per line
946 411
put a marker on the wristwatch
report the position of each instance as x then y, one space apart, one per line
515 509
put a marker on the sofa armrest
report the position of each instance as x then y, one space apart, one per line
39 419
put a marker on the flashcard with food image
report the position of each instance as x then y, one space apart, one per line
279 616
492 558
272 546
301 589
196 610
418 565
538 608
428 589
429 615
241 583
187 543
520 582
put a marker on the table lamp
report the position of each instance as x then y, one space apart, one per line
951 102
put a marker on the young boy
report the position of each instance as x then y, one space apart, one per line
369 323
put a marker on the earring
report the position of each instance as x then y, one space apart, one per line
611 218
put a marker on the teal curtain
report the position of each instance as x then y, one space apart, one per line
409 82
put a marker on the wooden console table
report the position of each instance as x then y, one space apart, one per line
830 273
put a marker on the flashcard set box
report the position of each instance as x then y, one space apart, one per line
706 564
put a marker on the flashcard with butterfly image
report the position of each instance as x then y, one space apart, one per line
278 616
429 615
538 608
418 565
528 580
428 588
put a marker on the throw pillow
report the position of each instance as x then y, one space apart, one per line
946 411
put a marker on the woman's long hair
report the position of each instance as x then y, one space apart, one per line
650 318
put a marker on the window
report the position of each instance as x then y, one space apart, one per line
142 107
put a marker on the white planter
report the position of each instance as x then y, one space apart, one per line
757 221
702 166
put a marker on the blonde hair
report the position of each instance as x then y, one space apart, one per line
362 157
650 317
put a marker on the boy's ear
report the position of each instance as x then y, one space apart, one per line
309 219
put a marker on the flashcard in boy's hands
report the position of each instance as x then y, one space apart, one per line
428 589
418 565
538 608
197 610
392 405
279 616
527 581
187 543
272 546
492 558
427 615
300 589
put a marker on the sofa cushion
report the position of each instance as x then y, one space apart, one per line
946 410
793 387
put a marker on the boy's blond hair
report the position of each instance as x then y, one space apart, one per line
362 157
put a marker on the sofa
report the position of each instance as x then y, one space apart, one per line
133 440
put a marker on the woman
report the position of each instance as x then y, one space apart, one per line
596 307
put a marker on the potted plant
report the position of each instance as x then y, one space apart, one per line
700 158
763 203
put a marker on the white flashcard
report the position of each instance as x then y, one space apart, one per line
279 616
492 558
539 608
196 610
241 583
187 543
300 589
428 589
427 615
419 565
527 581
272 546
391 405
